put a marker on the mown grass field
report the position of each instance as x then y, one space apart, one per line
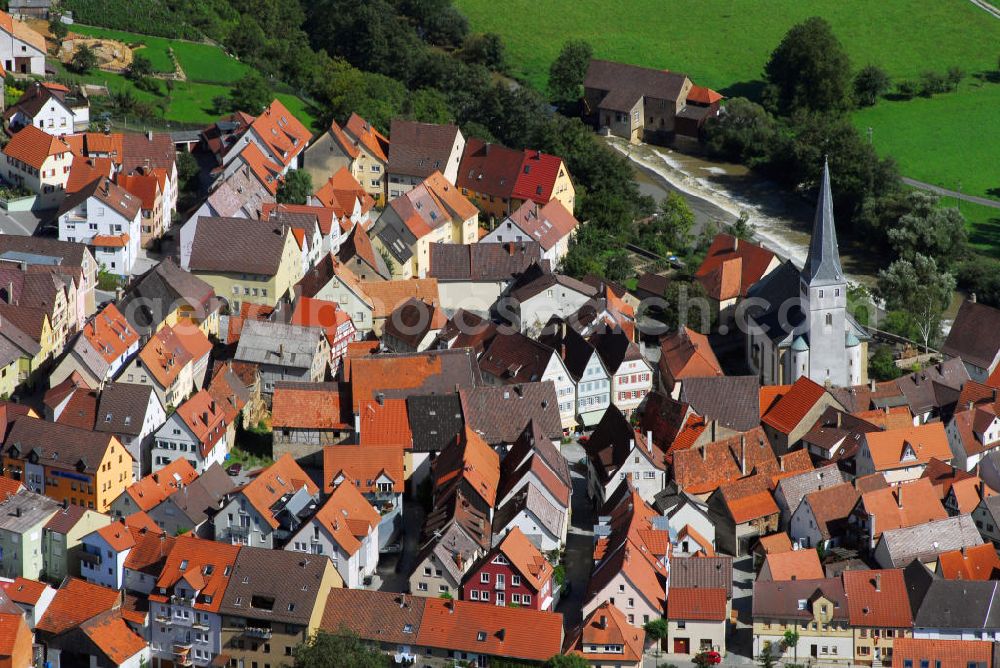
725 44
202 63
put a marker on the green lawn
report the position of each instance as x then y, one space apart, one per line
201 62
951 140
725 44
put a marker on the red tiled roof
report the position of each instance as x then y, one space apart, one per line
205 418
117 535
754 260
324 216
340 193
348 517
164 356
537 176
791 409
110 334
525 557
703 95
607 625
310 312
979 562
374 141
23 590
696 604
113 637
903 506
281 131
687 354
753 506
776 543
877 599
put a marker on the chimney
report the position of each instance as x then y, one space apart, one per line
380 398
878 582
899 496
840 418
604 622
149 135
17 511
972 298
743 454
736 243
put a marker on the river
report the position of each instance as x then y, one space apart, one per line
719 191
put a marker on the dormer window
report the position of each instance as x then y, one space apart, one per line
803 603
184 564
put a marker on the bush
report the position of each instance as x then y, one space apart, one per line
84 59
882 366
907 89
932 83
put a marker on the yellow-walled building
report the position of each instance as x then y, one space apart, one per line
79 466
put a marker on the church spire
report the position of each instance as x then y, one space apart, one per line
823 264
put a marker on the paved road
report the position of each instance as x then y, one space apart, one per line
982 4
579 543
938 190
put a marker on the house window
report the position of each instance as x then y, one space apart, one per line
484 578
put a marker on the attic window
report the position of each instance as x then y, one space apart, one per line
262 602
246 579
209 569
291 607
481 636
227 571
184 564
802 603
239 600
107 418
128 419
408 628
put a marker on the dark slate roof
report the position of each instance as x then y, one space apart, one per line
936 386
528 290
823 262
515 358
160 290
69 254
237 245
532 500
780 599
570 345
482 262
397 238
200 499
534 441
960 604
625 84
779 287
58 444
973 335
614 347
466 329
435 421
702 573
732 401
358 247
290 579
121 408
419 149
500 414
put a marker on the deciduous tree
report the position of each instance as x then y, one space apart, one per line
810 70
342 649
568 70
919 288
295 188
870 83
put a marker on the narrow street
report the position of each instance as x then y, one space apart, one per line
579 543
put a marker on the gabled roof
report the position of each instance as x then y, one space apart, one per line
515 633
789 411
282 477
704 469
434 421
323 216
385 423
75 602
237 245
109 333
58 445
368 136
687 354
794 488
926 541
530 500
751 262
387 296
362 466
613 442
205 565
314 406
702 572
781 599
275 585
152 489
909 446
877 599
980 562
943 653
732 401
501 414
831 507
280 344
912 504
404 374
418 149
472 461
413 320
516 358
546 225
33 146
697 604
481 262
347 517
379 616
625 84
358 247
164 355
973 335
607 625
794 565
284 135
534 568
341 193
113 637
205 418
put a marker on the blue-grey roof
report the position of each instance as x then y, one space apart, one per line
799 344
852 340
823 264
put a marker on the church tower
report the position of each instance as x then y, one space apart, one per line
823 290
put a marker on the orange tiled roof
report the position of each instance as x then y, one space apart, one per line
385 423
341 191
776 543
23 590
903 506
792 408
979 562
515 633
281 131
311 406
14 632
109 333
387 296
525 557
33 146
607 625
164 356
374 141
206 567
903 447
697 604
75 602
310 312
769 395
348 517
687 354
704 469
947 653
280 478
109 240
117 535
114 637
362 465
472 460
705 544
141 520
795 565
205 418
753 506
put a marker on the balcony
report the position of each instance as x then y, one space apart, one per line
239 533
182 600
182 654
257 632
500 586
164 619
